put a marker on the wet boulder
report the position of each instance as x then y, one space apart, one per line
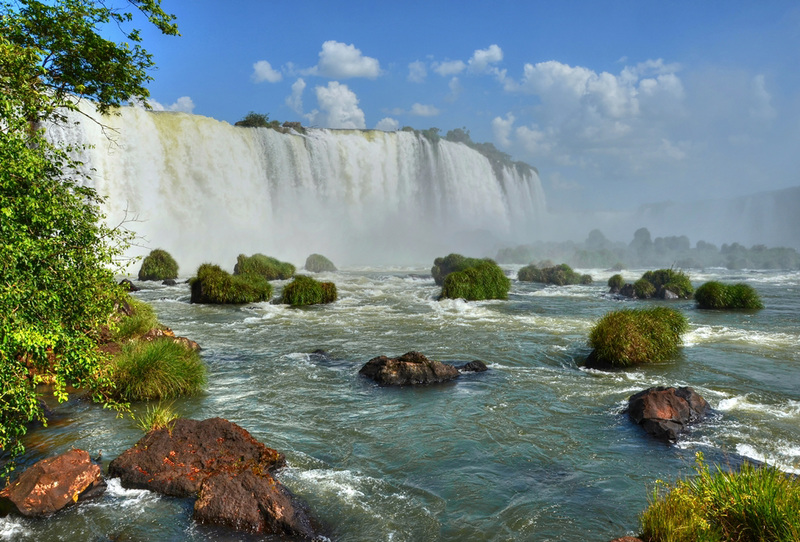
53 483
409 369
475 366
665 412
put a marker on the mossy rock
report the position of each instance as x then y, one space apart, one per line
560 275
662 280
634 336
452 263
317 263
615 283
158 265
716 295
483 281
265 266
214 285
304 290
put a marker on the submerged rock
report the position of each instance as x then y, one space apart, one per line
475 366
53 483
411 368
666 412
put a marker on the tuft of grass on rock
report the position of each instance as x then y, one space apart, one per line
317 263
304 290
158 369
676 282
560 275
483 281
159 416
264 266
716 295
616 282
753 504
140 320
214 285
451 264
633 336
158 265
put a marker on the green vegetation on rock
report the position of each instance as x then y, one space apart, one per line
753 504
265 266
317 263
715 295
158 416
671 280
485 280
140 319
214 285
304 290
158 265
560 275
633 336
616 282
450 264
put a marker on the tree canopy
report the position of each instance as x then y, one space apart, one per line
56 255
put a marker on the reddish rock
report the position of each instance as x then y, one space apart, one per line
157 333
53 483
666 412
409 369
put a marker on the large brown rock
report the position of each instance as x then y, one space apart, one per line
53 483
666 412
411 368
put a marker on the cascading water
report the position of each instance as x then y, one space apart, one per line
206 191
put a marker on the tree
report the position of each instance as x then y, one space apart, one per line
56 255
254 120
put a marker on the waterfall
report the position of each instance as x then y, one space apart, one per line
207 191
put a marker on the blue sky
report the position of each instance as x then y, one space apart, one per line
616 103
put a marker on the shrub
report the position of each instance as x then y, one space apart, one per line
715 295
304 290
559 275
158 265
213 285
158 369
676 282
450 264
317 263
142 318
158 416
616 282
632 336
483 281
644 289
755 504
265 266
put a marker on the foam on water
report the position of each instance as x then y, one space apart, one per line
13 528
721 334
788 409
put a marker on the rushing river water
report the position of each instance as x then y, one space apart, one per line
537 448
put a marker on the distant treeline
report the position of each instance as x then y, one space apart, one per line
643 251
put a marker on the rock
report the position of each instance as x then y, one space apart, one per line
157 333
628 290
668 294
411 368
169 282
53 483
252 502
666 412
128 285
476 366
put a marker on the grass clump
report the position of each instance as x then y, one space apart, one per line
265 266
662 280
137 319
715 295
754 504
616 282
560 275
304 290
158 369
632 336
483 281
317 263
214 285
451 264
158 265
158 416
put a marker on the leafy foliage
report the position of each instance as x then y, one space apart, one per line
632 336
158 265
212 284
56 283
254 120
304 290
485 280
753 504
317 263
451 263
715 295
559 275
265 266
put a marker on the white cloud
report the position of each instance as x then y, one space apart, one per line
455 89
421 110
449 67
483 58
183 104
502 129
417 72
388 124
338 108
761 106
341 61
295 100
262 71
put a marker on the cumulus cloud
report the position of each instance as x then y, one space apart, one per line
482 59
295 100
417 72
341 61
421 110
262 71
449 67
501 127
183 104
761 102
388 124
338 108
